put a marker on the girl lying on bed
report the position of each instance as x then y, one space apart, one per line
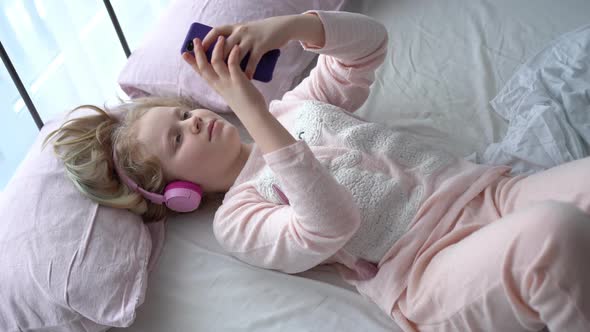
437 242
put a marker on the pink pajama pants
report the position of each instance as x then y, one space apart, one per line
517 259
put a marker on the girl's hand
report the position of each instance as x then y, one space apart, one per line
257 37
228 80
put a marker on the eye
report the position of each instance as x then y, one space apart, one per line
178 139
186 115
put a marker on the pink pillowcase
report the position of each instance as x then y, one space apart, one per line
156 67
66 263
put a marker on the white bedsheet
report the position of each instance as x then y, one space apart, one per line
446 61
547 106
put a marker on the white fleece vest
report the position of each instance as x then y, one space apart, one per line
387 205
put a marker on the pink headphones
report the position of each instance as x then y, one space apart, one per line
179 196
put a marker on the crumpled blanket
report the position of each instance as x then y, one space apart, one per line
547 105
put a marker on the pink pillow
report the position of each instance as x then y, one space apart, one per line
66 263
156 67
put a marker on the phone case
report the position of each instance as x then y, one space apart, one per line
264 69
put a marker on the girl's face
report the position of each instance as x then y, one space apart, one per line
193 145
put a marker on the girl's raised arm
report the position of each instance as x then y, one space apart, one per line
354 46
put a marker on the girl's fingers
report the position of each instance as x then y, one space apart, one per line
190 59
233 62
217 59
252 63
244 49
232 40
214 33
203 66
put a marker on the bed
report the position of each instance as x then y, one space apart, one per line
446 61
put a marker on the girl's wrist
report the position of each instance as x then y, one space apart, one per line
309 29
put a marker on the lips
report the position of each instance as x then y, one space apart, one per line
211 124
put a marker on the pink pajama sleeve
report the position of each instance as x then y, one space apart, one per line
355 46
320 219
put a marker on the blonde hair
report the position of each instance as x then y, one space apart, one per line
86 144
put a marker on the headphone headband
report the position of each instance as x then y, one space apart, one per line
153 197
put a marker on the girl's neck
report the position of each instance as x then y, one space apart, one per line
241 160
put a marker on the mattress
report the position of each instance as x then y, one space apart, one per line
446 60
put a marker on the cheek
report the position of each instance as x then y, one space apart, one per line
190 157
233 137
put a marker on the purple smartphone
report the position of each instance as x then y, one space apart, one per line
264 69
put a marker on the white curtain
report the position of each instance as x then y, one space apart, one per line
67 54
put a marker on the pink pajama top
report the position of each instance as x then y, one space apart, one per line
357 194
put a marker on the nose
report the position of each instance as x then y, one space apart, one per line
195 124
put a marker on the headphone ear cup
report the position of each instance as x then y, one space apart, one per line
182 196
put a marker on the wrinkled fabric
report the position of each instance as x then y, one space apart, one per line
547 104
514 259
